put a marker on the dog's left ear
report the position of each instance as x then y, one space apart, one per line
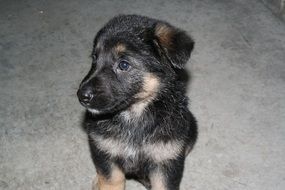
174 43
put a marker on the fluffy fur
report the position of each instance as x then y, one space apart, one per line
137 118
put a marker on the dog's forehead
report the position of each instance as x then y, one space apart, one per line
110 52
110 46
118 42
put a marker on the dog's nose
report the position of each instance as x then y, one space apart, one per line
85 96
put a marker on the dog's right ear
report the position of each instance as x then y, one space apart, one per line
174 43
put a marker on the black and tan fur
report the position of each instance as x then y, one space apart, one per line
137 118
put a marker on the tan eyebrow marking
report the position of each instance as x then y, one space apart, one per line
119 48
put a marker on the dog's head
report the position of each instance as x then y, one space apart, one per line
134 59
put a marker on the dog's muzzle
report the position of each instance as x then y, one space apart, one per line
85 95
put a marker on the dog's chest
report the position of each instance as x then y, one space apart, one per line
134 152
117 147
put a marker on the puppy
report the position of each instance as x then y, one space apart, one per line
137 118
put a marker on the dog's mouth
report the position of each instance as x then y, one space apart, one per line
109 108
100 105
95 104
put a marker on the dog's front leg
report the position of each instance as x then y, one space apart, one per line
109 176
167 175
114 180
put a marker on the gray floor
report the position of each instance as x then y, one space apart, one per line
237 92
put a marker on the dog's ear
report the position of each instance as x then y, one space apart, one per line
174 43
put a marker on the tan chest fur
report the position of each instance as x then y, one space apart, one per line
158 152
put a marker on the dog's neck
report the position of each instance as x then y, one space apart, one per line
141 110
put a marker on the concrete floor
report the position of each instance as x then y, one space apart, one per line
237 91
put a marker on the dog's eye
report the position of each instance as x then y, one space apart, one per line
124 65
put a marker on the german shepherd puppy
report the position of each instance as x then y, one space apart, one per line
137 119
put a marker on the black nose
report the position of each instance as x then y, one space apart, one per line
85 96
